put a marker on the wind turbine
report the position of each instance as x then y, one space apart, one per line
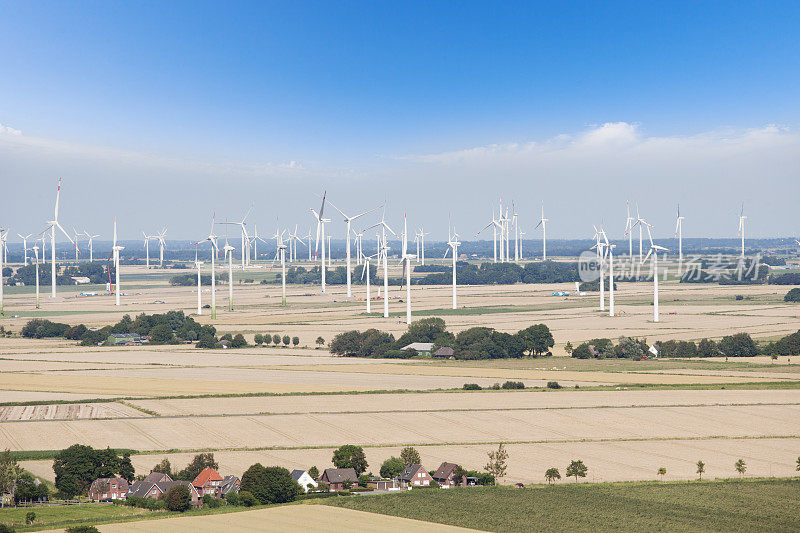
116 250
679 236
349 220
281 252
35 249
494 224
742 218
421 236
383 250
197 265
452 242
365 270
214 250
654 249
147 249
629 230
406 260
77 251
610 276
25 247
228 251
321 234
245 237
515 223
162 244
543 223
599 247
91 246
53 224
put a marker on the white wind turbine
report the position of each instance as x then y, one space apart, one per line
91 245
629 231
254 240
515 224
742 218
383 249
35 249
610 248
308 240
321 236
77 244
494 224
162 244
214 250
3 237
116 250
543 223
453 244
406 260
421 235
348 220
294 238
599 247
245 237
365 270
52 225
147 248
521 240
44 249
679 236
228 251
281 252
25 247
654 249
197 265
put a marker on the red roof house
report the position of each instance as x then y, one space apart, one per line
208 482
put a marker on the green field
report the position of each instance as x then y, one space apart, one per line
69 515
733 505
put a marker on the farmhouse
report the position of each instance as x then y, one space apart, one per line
105 489
444 351
208 482
336 478
157 490
445 476
230 484
303 479
415 476
422 348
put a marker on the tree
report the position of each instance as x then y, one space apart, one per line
498 460
313 472
10 472
662 472
568 348
125 469
798 465
410 456
576 469
207 341
30 518
28 490
161 334
740 466
582 351
77 466
551 474
247 499
537 339
295 341
286 340
320 341
164 467
276 339
701 468
392 467
792 296
738 345
238 341
258 339
200 462
350 456
272 484
178 498
707 348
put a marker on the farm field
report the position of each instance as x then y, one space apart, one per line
756 506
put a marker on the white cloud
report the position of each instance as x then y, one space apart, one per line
8 130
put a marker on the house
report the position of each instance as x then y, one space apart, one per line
208 482
444 351
154 477
230 484
157 490
80 280
422 348
377 483
303 479
105 489
336 478
415 476
445 476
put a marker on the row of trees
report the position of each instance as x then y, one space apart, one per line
276 339
737 345
98 274
472 343
190 280
504 274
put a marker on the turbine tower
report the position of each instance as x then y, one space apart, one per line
679 236
654 249
349 220
35 249
214 250
197 265
453 244
52 225
742 218
25 247
494 224
629 231
228 251
3 237
147 249
543 223
162 244
321 236
406 260
115 249
365 270
91 245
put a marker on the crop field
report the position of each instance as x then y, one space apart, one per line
726 506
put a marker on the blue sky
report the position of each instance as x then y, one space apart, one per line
224 103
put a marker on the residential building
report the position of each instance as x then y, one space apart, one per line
445 476
381 484
157 490
208 482
444 351
422 348
336 478
230 484
415 476
303 479
126 339
105 489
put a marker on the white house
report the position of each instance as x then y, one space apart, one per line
302 477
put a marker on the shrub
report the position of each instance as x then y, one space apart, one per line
513 385
258 339
82 529
30 517
471 386
238 341
247 499
233 498
212 502
553 385
178 498
295 341
792 296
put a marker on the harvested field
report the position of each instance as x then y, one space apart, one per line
621 460
486 400
67 411
474 426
